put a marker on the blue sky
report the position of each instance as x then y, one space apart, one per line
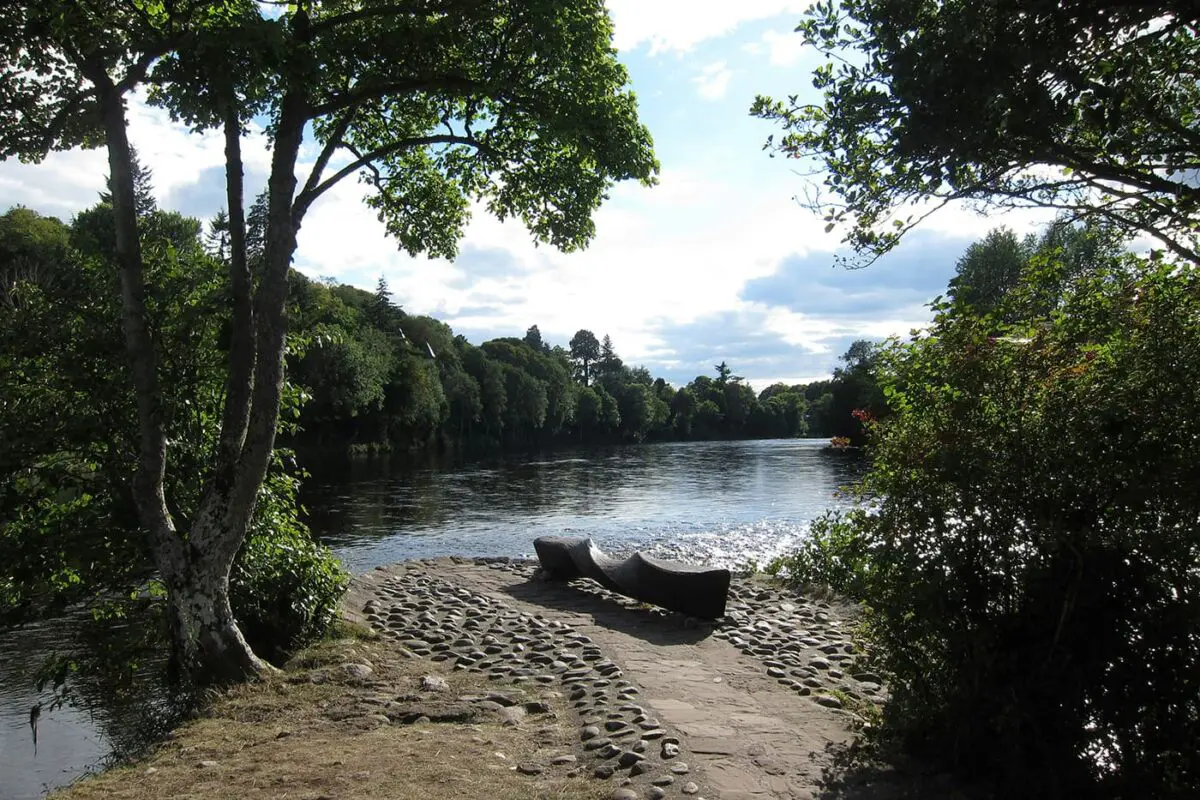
717 262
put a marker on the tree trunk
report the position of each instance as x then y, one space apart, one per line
206 642
209 646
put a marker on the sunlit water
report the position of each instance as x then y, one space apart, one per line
717 502
721 502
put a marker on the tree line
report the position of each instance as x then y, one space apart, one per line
376 377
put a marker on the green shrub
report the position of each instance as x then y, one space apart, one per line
285 588
1029 536
833 555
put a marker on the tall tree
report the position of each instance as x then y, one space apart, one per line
1089 106
533 338
585 350
522 106
723 373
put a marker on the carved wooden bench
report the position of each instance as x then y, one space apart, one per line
686 588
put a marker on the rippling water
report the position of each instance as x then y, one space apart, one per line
719 502
722 502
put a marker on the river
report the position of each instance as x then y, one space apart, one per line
717 502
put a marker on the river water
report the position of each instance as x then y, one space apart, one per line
717 502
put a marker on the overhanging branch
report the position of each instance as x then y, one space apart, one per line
308 197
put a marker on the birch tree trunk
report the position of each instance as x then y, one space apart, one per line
206 641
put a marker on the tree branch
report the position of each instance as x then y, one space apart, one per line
331 146
306 198
360 94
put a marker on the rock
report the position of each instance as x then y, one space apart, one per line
680 768
624 793
150 770
639 768
663 780
670 750
604 771
358 672
628 759
512 716
433 683
564 759
690 788
828 700
529 768
589 732
537 707
208 764
657 793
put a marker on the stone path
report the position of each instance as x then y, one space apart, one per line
755 706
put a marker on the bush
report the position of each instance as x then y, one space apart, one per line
833 556
1029 537
285 588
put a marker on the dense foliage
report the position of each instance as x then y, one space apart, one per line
68 529
381 379
1028 542
519 108
1090 106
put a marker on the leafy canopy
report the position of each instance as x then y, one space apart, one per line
1089 106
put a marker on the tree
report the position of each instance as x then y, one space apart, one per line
610 411
587 410
684 407
856 396
33 249
723 373
609 365
523 106
383 310
533 338
1088 106
990 269
1027 543
216 240
585 350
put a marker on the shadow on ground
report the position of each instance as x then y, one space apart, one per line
635 619
858 774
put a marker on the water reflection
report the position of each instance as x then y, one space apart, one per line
106 717
721 501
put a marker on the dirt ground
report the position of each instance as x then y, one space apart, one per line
325 729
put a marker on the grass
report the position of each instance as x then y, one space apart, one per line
316 732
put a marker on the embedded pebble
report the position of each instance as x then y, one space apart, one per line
797 642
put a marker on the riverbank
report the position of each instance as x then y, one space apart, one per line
472 678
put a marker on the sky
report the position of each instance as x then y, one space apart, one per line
718 262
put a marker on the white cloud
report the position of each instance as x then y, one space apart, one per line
713 80
783 49
679 25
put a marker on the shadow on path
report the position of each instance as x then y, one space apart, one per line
855 774
650 625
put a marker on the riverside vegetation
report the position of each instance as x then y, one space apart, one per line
1026 549
1028 539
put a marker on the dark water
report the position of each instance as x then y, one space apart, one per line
723 502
